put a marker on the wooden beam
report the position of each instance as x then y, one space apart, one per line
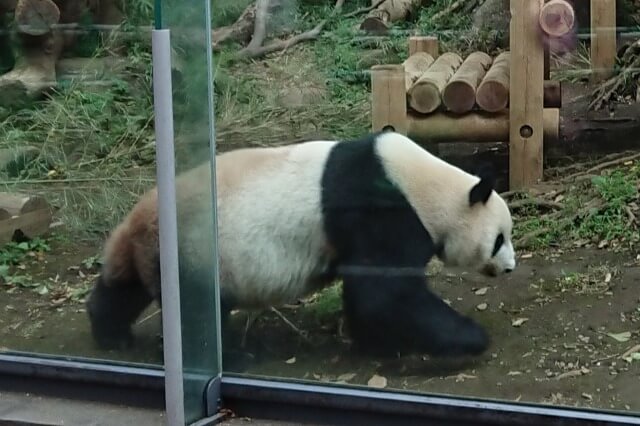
427 44
476 127
603 39
388 98
526 132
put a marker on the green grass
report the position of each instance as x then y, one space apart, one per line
599 211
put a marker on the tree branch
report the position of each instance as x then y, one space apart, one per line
260 25
251 52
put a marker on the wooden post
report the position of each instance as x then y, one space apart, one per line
388 98
603 39
526 102
427 44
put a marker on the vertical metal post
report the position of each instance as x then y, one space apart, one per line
213 390
168 228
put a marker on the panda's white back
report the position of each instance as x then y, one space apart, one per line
270 226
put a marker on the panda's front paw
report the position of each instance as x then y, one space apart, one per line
471 338
459 336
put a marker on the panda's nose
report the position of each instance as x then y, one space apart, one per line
508 270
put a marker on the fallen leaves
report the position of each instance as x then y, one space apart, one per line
633 354
620 337
481 291
519 321
291 360
377 381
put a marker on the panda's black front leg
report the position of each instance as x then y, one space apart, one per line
112 308
387 315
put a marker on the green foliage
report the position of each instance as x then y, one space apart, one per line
13 253
327 304
595 212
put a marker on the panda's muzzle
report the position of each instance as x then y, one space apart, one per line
489 270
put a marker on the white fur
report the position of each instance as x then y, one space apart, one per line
439 192
271 236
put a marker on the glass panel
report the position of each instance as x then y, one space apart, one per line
561 329
189 23
77 151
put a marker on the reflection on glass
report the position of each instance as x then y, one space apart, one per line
77 144
560 328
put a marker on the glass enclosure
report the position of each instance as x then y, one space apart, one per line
564 324
77 142
545 92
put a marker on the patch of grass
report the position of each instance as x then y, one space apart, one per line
596 280
94 147
13 253
600 211
327 304
572 67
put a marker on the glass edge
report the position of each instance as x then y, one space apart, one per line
291 401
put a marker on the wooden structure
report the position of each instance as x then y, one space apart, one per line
436 98
23 216
603 38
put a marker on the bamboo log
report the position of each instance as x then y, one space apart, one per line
493 92
459 94
445 127
424 96
17 204
557 18
416 65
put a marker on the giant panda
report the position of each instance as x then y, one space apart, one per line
292 219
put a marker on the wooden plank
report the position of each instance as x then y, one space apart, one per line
32 224
526 104
427 44
603 39
478 127
388 98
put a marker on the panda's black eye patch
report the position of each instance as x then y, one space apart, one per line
496 246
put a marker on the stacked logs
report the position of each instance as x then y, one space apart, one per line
23 217
459 86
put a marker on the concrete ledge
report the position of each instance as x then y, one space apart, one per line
24 409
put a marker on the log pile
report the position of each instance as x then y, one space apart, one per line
461 86
23 216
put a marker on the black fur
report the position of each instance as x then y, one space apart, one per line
482 190
382 252
112 309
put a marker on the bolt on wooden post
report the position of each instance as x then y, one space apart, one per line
388 98
526 102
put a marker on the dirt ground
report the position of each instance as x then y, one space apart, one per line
549 321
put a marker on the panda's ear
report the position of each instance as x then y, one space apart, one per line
482 190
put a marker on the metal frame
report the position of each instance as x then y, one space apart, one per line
167 225
143 386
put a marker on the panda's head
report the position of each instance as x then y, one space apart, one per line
467 219
479 237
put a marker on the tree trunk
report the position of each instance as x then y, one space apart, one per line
379 20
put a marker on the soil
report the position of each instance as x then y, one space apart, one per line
561 354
